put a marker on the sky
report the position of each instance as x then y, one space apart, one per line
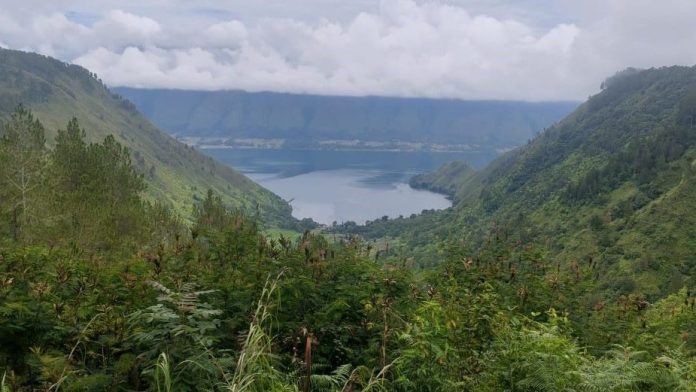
534 50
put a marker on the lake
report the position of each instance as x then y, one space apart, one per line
341 186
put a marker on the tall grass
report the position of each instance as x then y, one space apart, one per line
163 374
3 385
254 370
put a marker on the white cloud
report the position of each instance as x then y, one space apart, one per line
400 47
120 28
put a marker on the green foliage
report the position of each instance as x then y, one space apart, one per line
529 356
90 383
22 164
80 315
181 328
254 369
97 186
101 289
429 357
624 369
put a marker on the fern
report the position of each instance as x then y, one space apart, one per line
176 334
624 369
367 380
186 300
332 382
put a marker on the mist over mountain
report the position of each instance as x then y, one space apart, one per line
239 114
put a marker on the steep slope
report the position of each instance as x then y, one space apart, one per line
238 114
175 173
613 183
612 186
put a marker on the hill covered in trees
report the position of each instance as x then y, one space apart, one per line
238 114
175 174
611 186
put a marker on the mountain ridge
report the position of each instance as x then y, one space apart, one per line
239 114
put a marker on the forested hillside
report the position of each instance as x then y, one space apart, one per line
175 173
611 186
238 114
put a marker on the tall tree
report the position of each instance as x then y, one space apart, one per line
22 164
97 189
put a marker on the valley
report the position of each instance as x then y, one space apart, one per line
356 198
309 131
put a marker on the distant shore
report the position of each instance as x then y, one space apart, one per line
331 145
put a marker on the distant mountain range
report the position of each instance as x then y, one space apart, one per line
306 118
176 174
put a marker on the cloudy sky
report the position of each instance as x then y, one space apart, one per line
470 49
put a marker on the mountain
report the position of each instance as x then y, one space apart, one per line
612 186
175 173
238 114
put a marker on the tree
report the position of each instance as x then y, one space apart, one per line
96 189
22 164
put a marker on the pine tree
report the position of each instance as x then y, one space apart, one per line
22 164
97 190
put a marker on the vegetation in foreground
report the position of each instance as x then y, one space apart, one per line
101 289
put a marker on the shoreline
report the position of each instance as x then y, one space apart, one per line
224 147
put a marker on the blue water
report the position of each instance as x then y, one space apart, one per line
339 186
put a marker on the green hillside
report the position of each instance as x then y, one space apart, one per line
612 185
238 114
56 91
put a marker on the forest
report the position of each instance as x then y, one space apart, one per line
103 288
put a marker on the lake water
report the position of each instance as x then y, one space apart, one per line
341 186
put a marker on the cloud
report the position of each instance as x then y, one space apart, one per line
400 47
121 28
